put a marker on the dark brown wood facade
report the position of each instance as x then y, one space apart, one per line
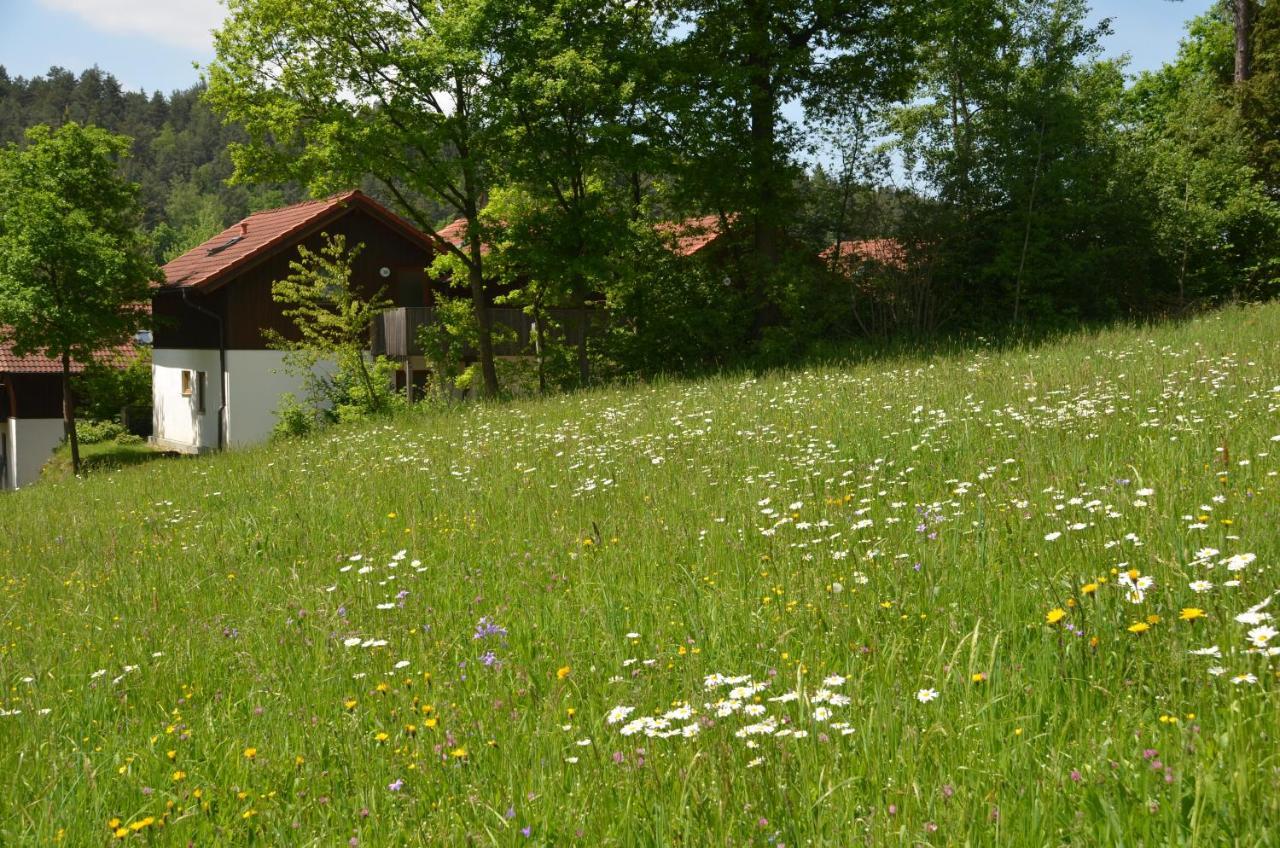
30 396
244 301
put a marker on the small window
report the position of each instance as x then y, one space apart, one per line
193 384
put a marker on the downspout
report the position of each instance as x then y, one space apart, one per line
222 365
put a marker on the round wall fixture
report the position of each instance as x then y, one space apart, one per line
384 272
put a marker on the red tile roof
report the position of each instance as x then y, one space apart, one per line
687 237
693 234
262 233
456 235
883 251
36 363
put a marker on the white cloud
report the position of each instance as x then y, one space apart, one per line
181 23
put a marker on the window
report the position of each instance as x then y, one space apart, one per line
193 384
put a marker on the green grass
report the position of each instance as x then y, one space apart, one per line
98 458
891 524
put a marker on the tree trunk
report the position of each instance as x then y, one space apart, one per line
762 178
475 274
375 402
1026 233
539 344
584 362
69 413
1244 39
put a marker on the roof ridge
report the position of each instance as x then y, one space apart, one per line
242 243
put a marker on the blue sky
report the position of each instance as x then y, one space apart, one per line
152 44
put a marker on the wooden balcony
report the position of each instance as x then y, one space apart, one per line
395 332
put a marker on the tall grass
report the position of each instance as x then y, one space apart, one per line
418 632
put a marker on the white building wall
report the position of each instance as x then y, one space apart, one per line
30 443
177 421
255 381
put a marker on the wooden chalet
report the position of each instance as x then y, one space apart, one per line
216 382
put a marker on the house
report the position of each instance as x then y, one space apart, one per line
848 256
215 380
31 412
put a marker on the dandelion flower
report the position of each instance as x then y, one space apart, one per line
1139 627
1055 615
1191 613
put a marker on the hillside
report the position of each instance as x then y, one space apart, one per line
989 598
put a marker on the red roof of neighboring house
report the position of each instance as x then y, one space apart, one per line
456 235
37 363
688 236
884 251
693 234
262 233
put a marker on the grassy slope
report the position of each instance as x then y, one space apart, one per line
574 522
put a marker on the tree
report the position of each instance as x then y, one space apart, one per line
75 268
332 321
1016 133
330 91
739 63
1204 163
569 92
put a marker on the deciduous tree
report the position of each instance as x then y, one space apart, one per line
331 91
75 268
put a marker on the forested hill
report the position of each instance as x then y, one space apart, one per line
180 157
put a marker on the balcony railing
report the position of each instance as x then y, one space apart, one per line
395 332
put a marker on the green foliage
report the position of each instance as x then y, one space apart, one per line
449 343
331 317
178 154
74 265
75 268
1217 231
107 387
294 419
1260 100
673 316
93 432
333 91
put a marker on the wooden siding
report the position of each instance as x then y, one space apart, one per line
245 303
395 332
31 396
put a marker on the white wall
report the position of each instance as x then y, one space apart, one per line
177 422
255 381
30 444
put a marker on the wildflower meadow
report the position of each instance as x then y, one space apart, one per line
994 597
